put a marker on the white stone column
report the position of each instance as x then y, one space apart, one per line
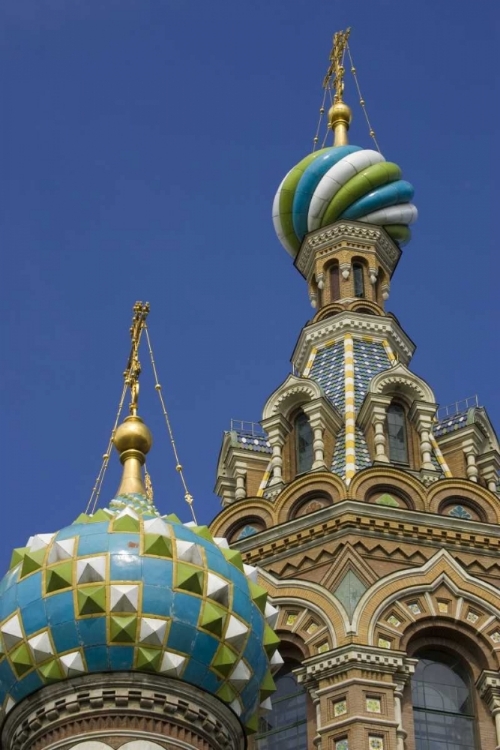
398 716
470 455
425 445
488 464
318 443
277 429
241 484
380 442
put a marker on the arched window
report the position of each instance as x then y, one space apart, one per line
285 727
303 443
359 282
334 282
443 709
396 432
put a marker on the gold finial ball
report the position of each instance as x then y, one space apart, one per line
340 112
133 434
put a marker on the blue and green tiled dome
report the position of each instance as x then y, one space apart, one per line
126 589
342 182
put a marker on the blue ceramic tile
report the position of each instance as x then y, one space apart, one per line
93 544
218 563
240 579
241 605
34 617
27 685
7 676
60 608
157 600
125 567
253 651
211 682
183 533
181 637
257 623
124 542
194 672
66 637
186 608
121 657
100 527
29 589
92 630
97 658
157 572
8 603
205 647
69 531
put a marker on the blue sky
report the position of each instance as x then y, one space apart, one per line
142 143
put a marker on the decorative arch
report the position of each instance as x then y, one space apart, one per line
328 311
236 515
443 593
293 393
322 483
481 500
369 480
365 306
399 380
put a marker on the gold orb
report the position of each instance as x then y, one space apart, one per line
133 434
340 112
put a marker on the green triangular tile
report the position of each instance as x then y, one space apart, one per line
233 556
82 518
17 556
149 659
172 518
252 724
59 577
21 659
226 693
32 561
126 523
213 618
51 671
203 531
98 517
91 600
224 660
156 544
267 686
387 499
270 641
189 578
122 629
258 594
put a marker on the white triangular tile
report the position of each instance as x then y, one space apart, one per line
124 598
62 550
72 664
276 662
189 552
236 706
152 631
157 526
271 615
9 704
40 647
251 572
221 542
127 511
240 674
40 541
172 664
236 632
266 706
217 589
91 569
12 632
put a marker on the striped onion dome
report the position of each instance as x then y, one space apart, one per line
342 182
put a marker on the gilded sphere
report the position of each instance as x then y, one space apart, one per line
133 434
340 112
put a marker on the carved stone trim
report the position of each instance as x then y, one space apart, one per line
134 706
346 658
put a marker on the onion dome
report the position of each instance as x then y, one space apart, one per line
129 590
342 182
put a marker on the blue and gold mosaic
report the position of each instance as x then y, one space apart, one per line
129 590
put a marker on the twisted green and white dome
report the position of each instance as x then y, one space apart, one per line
342 182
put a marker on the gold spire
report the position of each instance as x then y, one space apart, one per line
132 438
339 115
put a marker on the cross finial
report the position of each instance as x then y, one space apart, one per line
336 68
131 374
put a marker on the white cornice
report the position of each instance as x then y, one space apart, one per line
358 325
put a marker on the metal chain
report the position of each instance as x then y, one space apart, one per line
361 100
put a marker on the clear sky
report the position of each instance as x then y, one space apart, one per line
142 143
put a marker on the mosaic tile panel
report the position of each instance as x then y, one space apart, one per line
252 442
328 371
342 744
349 591
340 708
370 358
338 458
363 459
373 705
127 589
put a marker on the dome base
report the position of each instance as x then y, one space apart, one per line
122 710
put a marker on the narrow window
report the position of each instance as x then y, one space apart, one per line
334 283
443 709
304 443
359 283
285 727
396 432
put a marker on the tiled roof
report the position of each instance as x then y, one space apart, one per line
370 358
328 371
252 442
453 422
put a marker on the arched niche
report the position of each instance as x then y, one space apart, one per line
477 500
373 482
462 508
245 528
93 745
310 503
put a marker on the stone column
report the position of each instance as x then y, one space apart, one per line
398 715
380 442
277 429
103 708
241 476
488 464
488 686
470 455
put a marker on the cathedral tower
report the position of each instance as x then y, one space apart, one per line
371 513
